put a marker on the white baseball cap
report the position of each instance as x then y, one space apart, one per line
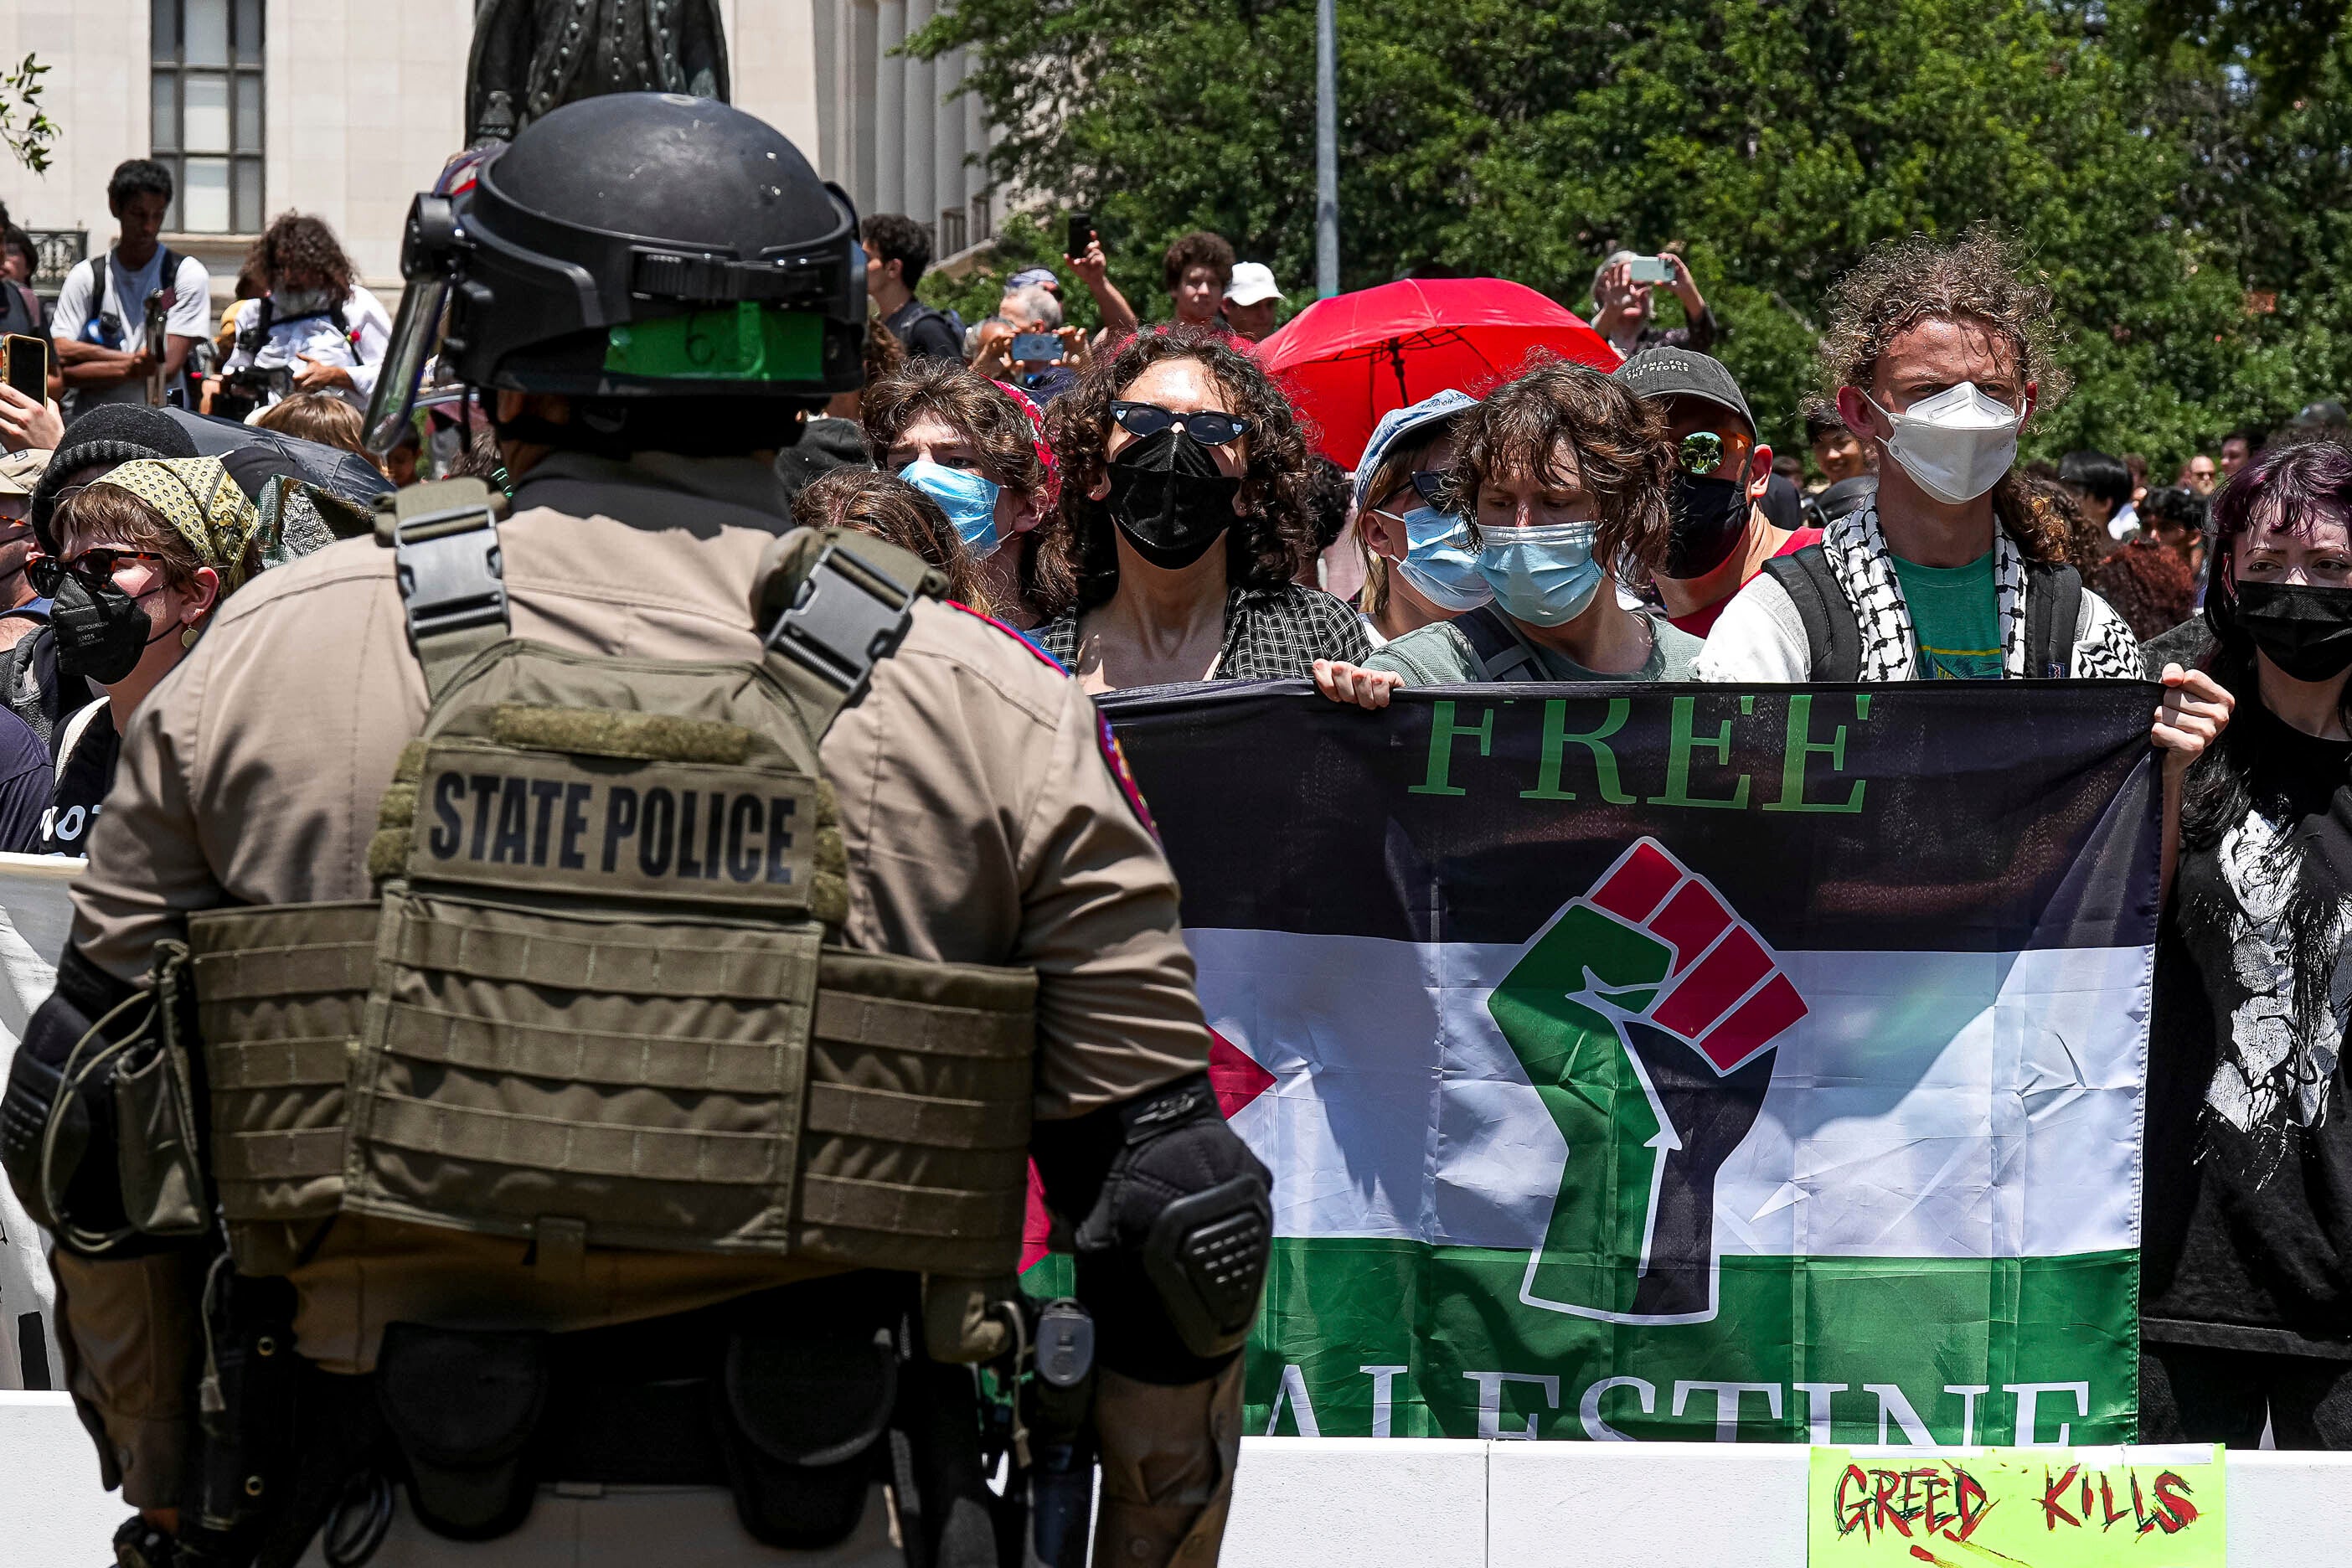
1251 284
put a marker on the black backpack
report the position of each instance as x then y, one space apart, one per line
2054 603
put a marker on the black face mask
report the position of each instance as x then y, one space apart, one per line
101 632
1168 497
2305 631
1708 518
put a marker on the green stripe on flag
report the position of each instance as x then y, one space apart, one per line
1950 1348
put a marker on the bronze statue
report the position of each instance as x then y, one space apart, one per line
529 56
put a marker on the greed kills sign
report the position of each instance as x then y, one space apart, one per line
2157 1507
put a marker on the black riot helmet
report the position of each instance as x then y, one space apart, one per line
671 265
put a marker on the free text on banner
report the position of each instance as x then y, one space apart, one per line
2162 1507
1679 1063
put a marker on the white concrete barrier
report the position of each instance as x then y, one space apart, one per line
1369 1503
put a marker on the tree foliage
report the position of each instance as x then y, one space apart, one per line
25 128
2170 201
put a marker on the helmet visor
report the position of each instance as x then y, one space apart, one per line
413 334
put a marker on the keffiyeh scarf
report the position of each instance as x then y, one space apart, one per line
1858 556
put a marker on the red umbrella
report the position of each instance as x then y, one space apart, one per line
1348 360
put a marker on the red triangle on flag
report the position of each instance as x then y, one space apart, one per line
1237 1080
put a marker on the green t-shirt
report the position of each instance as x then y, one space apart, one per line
1954 617
1439 654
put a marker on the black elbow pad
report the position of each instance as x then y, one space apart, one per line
88 1188
1178 1227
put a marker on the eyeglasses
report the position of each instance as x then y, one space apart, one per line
94 567
1205 425
1436 488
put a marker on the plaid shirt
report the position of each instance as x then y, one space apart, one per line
1271 634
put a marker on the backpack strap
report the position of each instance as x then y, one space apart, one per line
1832 635
1503 654
444 544
76 727
2054 603
831 603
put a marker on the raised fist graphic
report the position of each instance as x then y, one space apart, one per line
1645 1015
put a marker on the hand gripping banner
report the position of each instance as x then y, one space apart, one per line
1679 1063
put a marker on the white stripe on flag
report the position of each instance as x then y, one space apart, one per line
1930 1104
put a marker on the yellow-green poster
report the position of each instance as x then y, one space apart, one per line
2018 1508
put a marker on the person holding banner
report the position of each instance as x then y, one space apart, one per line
1564 471
1937 356
1409 528
1183 517
2247 1261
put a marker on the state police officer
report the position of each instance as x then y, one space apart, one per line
561 1009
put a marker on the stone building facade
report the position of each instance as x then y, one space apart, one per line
347 108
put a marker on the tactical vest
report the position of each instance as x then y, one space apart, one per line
594 1002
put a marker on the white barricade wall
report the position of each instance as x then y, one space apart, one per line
1368 1503
35 917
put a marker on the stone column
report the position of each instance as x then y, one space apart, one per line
949 176
922 102
890 108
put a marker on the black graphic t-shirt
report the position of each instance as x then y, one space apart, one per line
2247 1240
23 785
85 773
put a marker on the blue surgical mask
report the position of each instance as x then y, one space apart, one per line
1544 575
1438 560
967 498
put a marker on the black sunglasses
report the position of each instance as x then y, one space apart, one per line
1207 428
95 567
1435 486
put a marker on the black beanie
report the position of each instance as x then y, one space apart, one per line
111 434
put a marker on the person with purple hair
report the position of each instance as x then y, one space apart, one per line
2246 1264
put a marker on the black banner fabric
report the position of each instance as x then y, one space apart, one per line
1951 817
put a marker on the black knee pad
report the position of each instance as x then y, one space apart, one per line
1178 1226
84 992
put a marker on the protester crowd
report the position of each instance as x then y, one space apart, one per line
1144 504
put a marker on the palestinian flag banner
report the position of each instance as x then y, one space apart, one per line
1684 1062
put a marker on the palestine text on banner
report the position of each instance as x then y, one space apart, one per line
2161 1507
1682 1063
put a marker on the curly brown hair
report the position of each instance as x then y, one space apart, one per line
1617 443
1273 536
1000 439
1979 281
2148 584
300 249
884 355
1198 249
895 511
969 402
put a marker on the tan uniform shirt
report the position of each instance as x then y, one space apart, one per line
982 822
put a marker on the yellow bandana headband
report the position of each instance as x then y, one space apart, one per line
199 500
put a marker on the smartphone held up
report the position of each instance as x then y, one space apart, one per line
24 364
